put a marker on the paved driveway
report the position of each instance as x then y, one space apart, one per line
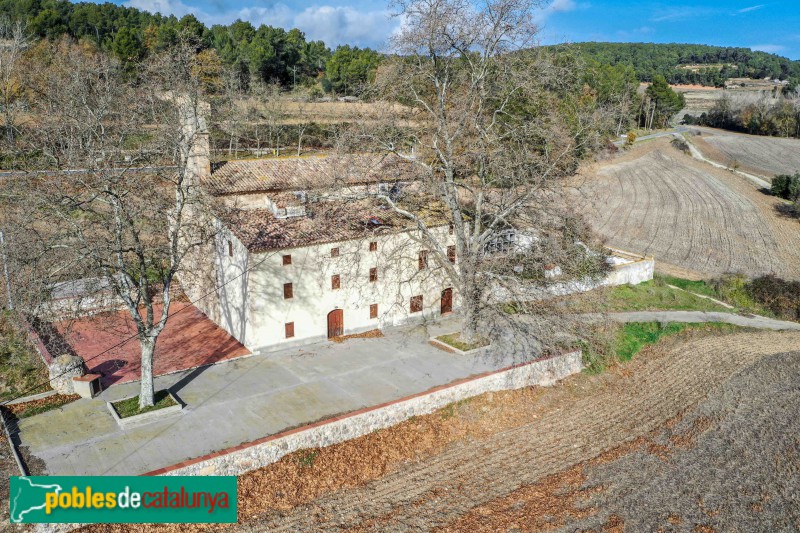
246 399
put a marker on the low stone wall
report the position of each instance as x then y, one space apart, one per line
250 456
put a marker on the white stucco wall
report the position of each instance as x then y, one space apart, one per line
262 324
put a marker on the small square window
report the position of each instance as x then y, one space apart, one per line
334 252
289 329
373 275
373 246
423 259
451 254
336 282
287 260
416 304
230 249
288 293
373 311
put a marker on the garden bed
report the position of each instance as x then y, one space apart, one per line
127 413
452 342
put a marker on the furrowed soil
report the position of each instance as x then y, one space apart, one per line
760 155
576 421
699 220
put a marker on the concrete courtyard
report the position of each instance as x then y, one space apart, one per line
242 400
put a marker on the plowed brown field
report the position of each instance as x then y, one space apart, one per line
577 420
656 201
760 155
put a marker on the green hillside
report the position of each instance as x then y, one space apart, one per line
711 65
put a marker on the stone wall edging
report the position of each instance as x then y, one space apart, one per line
247 457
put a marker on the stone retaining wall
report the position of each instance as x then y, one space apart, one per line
257 454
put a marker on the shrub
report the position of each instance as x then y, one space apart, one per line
681 145
787 187
732 288
779 296
631 137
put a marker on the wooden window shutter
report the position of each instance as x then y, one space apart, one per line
230 248
416 304
289 330
451 254
373 311
287 260
373 274
336 282
423 259
288 293
373 246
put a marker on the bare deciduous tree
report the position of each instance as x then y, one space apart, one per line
13 43
121 201
500 125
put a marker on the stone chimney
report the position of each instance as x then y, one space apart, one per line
195 133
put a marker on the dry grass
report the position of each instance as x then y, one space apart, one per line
659 202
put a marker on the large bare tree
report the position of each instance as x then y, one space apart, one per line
499 125
119 202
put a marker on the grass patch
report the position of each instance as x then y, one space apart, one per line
609 343
634 336
454 340
130 406
649 296
36 407
306 458
22 371
697 287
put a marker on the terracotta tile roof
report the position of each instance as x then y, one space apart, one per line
330 221
264 175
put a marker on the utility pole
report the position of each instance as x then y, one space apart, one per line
5 270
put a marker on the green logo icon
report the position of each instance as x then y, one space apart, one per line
122 499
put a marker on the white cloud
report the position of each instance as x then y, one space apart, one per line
751 8
340 25
562 5
769 48
165 7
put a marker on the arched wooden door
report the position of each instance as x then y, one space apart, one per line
447 301
335 323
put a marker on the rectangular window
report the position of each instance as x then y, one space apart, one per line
373 246
451 254
373 311
336 282
423 259
451 229
416 304
373 275
230 249
289 329
287 260
287 291
334 252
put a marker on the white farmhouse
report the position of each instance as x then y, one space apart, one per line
304 250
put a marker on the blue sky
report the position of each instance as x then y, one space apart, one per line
771 26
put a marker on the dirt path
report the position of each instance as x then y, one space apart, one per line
752 321
575 421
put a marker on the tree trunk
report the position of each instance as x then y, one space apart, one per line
470 305
147 393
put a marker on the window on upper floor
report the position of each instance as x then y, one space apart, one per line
289 329
373 311
416 304
288 292
287 260
423 259
451 229
373 246
373 275
336 282
451 254
230 248
334 252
